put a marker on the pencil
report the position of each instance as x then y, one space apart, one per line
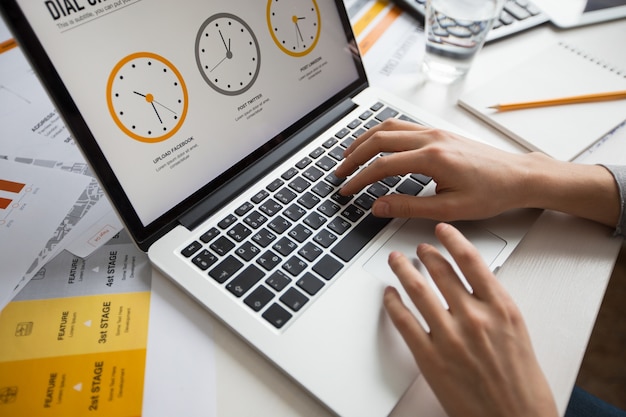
586 98
7 45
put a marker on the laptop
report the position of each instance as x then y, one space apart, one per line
582 12
214 128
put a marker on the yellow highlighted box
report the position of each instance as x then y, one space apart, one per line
75 325
100 384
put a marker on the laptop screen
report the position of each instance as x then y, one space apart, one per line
177 93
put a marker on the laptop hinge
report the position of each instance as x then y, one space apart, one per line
209 205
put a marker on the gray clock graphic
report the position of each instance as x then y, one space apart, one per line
227 54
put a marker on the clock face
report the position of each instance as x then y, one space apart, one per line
228 54
147 97
294 25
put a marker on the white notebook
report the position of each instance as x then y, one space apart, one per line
559 70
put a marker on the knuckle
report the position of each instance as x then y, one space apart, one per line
382 164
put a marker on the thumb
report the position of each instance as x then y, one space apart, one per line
405 206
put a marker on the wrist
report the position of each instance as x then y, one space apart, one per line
587 191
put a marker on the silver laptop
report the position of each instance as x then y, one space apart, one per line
215 128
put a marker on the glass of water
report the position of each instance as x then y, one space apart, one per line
455 32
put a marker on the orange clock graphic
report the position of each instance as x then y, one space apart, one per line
295 25
147 97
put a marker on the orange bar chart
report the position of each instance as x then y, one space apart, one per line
10 187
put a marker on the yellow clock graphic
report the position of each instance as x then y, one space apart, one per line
227 54
147 97
295 25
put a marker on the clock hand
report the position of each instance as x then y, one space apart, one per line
224 42
295 19
217 65
298 35
157 113
165 107
150 99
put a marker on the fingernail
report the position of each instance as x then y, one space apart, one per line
381 209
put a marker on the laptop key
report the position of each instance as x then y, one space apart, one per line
299 184
309 200
325 238
260 196
269 260
326 163
284 246
264 237
275 185
258 298
377 189
270 207
247 251
225 269
245 280
289 174
222 245
322 189
339 225
422 179
330 142
285 195
310 283
337 153
300 233
327 267
387 113
278 280
239 232
294 212
276 315
358 237
294 299
204 260
410 187
209 235
255 219
310 252
244 208
227 221
317 152
328 208
352 213
192 248
279 224
365 201
294 266
312 174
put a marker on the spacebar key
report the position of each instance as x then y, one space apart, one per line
354 241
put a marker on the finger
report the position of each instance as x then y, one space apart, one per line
418 289
410 329
394 164
389 125
377 142
477 273
444 276
441 207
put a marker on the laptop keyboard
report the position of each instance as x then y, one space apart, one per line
516 16
280 248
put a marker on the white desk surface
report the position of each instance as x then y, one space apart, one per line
557 275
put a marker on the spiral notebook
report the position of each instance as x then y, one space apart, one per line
559 70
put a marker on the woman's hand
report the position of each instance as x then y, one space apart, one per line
477 357
474 180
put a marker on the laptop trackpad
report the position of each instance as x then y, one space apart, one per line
416 231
